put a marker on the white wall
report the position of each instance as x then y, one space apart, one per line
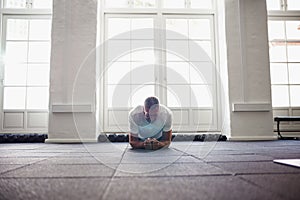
73 72
248 70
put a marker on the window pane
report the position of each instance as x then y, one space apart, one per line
174 3
279 74
44 4
117 3
15 75
17 29
15 3
293 4
280 96
179 26
119 28
39 52
200 51
202 73
199 29
118 73
293 30
140 93
178 73
204 4
178 50
142 73
142 23
114 92
118 49
40 29
294 73
276 30
38 75
37 97
278 53
16 52
293 53
201 96
273 4
14 97
295 95
178 95
144 3
141 51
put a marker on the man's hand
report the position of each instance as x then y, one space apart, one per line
156 144
148 143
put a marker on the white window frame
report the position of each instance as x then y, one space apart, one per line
27 13
160 13
286 15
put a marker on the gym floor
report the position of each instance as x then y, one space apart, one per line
186 170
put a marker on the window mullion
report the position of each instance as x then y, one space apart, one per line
29 4
26 86
187 3
284 5
130 3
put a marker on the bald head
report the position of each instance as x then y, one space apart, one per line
151 108
151 101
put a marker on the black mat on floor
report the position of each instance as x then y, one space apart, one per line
175 137
23 138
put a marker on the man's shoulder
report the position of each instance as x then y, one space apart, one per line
165 109
136 110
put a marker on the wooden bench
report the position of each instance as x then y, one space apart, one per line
279 119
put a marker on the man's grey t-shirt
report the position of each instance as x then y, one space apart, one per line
141 128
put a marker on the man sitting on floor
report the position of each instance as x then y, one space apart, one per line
150 125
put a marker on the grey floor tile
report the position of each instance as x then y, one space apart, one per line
218 187
281 155
131 159
97 159
34 171
23 146
235 158
17 160
8 167
149 153
56 189
285 185
69 161
29 154
108 160
255 167
175 169
97 147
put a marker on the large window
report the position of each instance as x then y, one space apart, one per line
283 5
163 48
27 58
284 37
284 46
25 49
28 4
124 58
284 42
194 4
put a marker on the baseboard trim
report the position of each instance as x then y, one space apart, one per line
252 138
70 141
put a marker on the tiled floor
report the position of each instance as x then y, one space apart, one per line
187 170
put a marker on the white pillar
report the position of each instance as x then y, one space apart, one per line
72 116
248 70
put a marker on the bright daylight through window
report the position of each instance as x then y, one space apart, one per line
284 42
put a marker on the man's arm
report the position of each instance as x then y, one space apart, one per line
135 143
165 142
